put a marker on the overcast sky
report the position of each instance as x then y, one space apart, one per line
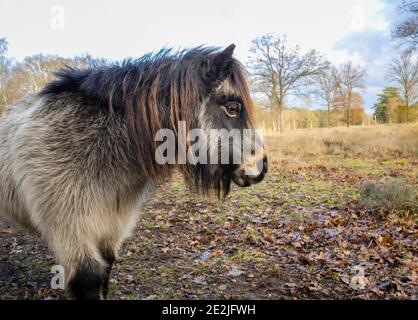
356 30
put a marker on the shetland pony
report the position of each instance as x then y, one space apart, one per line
77 159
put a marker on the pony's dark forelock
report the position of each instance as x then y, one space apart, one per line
154 92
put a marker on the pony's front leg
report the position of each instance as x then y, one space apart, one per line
90 281
86 246
87 266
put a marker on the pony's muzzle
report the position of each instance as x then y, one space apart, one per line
247 175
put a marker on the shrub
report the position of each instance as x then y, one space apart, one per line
393 196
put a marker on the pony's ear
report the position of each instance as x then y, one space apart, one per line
222 62
219 67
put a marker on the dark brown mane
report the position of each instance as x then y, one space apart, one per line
153 92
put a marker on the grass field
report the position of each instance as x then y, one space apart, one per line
299 234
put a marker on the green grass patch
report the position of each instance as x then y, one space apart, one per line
150 225
250 256
398 162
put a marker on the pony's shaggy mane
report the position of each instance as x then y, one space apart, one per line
154 92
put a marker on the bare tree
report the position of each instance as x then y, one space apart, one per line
327 88
351 78
407 30
403 72
279 70
18 79
32 74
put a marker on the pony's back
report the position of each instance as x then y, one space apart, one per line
77 160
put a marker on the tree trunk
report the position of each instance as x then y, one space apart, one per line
329 116
407 113
349 110
348 115
281 117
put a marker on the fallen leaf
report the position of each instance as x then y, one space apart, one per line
234 272
199 280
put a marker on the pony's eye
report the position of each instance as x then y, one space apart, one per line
232 109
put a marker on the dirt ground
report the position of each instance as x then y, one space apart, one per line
301 234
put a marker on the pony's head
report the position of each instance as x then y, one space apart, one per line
225 119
